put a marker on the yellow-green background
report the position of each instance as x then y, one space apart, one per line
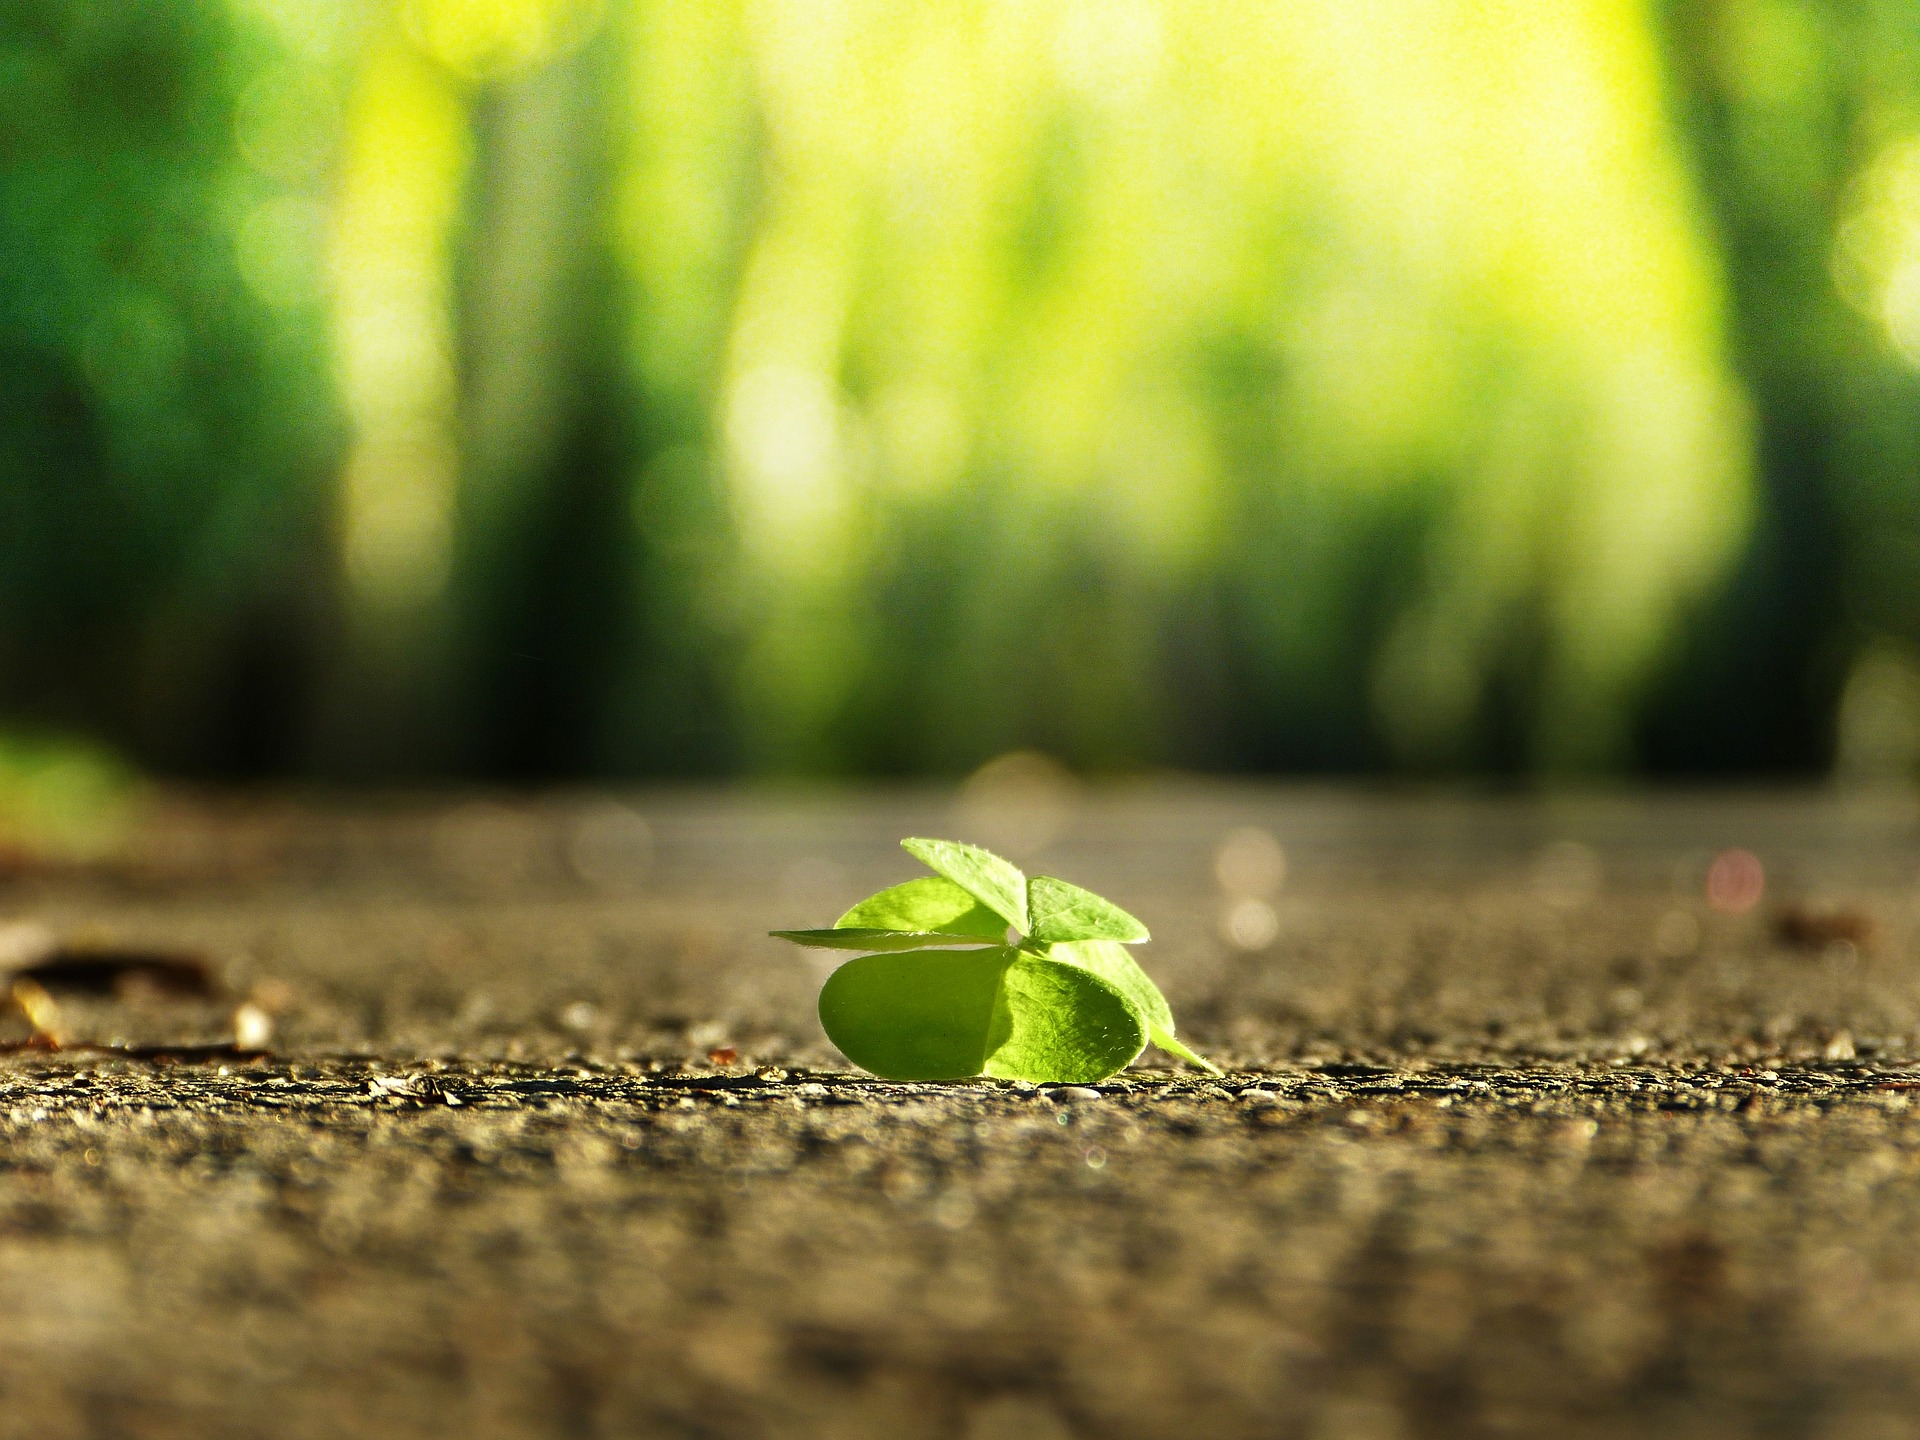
542 388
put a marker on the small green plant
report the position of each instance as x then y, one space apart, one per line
977 970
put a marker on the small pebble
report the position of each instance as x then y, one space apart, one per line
811 1091
1258 1097
1074 1092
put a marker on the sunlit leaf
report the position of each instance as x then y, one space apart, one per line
1115 964
1060 911
1066 1025
947 1015
1166 1041
923 1015
931 905
1048 1010
840 938
995 883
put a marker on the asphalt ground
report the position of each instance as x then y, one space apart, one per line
502 1117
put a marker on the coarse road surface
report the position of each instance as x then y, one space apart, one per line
531 1131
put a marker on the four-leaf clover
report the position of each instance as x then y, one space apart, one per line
978 970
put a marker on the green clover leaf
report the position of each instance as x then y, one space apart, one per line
913 916
950 1014
1066 912
933 904
995 883
1114 964
840 938
1066 1003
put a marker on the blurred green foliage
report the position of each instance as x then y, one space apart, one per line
538 387
165 432
1802 120
61 798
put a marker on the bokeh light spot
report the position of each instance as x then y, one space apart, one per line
1735 882
1249 862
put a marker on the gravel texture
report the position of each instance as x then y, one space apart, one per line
536 1134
